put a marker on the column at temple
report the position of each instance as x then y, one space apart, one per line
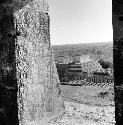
38 94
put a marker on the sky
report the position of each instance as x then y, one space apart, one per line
80 21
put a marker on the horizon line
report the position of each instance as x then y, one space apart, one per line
82 43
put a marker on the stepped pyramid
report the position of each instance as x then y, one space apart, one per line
38 95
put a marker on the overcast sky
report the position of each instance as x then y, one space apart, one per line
80 21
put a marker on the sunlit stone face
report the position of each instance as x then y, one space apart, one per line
42 4
36 72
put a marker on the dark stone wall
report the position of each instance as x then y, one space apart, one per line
117 21
8 82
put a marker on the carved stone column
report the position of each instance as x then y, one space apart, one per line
38 94
29 91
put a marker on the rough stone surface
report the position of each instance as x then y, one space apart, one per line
38 95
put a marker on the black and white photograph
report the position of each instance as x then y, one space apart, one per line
61 62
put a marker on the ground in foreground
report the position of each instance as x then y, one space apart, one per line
87 105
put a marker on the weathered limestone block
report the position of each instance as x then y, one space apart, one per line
38 96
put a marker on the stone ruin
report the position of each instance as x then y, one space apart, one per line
38 95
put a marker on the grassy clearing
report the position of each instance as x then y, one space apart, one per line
93 95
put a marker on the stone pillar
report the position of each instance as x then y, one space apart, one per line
27 64
38 95
117 18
